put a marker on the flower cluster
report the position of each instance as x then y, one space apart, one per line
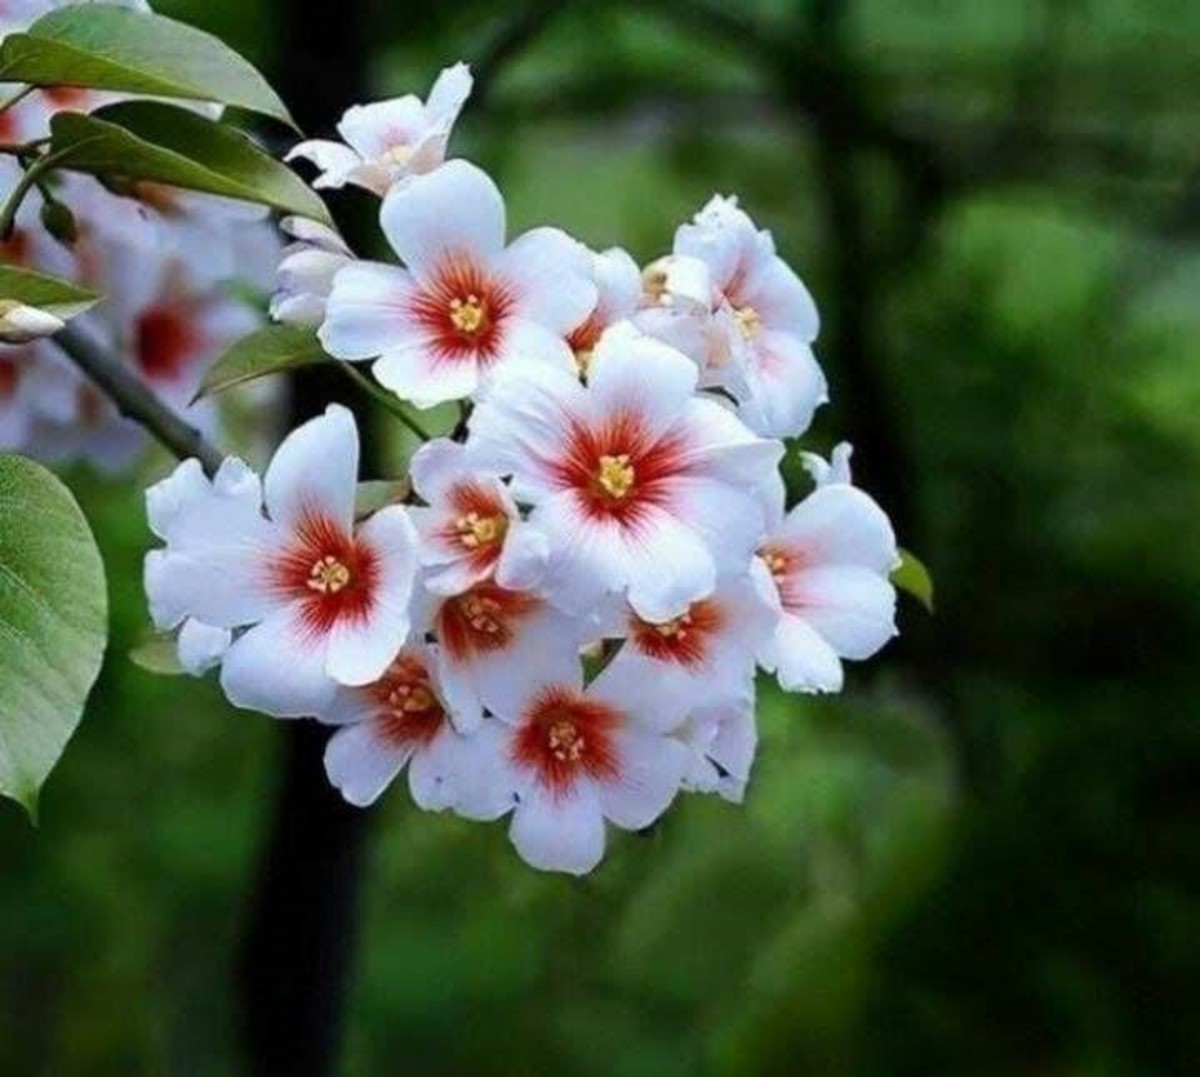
161 256
563 621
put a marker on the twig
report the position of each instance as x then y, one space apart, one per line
135 401
20 95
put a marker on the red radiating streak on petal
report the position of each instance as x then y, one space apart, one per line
317 537
687 640
457 278
584 722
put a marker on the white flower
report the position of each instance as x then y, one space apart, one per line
405 718
388 140
723 739
704 655
306 270
638 484
322 601
471 528
466 306
778 384
618 293
830 558
578 758
496 641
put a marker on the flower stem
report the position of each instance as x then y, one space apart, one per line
136 401
31 178
385 400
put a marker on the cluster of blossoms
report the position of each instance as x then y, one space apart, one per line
563 622
162 257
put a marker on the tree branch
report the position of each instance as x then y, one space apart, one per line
135 401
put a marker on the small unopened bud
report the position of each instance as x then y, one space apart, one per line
20 324
59 221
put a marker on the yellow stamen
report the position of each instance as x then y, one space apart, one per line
474 530
409 698
583 361
468 315
675 628
564 741
749 321
483 614
328 576
615 476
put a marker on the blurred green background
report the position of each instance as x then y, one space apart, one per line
983 858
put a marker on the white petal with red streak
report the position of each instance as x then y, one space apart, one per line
367 313
551 274
781 300
785 386
361 763
278 668
414 373
841 525
633 373
668 566
361 649
853 608
315 470
455 210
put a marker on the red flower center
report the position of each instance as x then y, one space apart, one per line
76 98
618 469
564 736
409 711
463 309
329 572
483 620
784 563
15 250
478 524
10 378
684 639
166 339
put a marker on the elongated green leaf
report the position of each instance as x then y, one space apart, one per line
271 350
53 623
913 577
111 48
58 297
148 140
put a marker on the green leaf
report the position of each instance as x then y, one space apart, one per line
378 494
912 576
55 296
270 350
149 140
110 48
158 654
53 623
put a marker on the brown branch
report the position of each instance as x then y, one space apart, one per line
135 400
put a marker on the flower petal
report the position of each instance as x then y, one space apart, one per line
551 275
559 833
361 649
277 668
455 210
841 525
315 470
853 608
367 311
361 764
201 647
651 771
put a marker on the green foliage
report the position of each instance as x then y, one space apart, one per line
157 654
53 622
148 140
110 48
273 349
912 577
51 294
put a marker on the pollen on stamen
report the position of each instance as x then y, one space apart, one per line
615 476
468 315
475 530
565 741
749 321
328 576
